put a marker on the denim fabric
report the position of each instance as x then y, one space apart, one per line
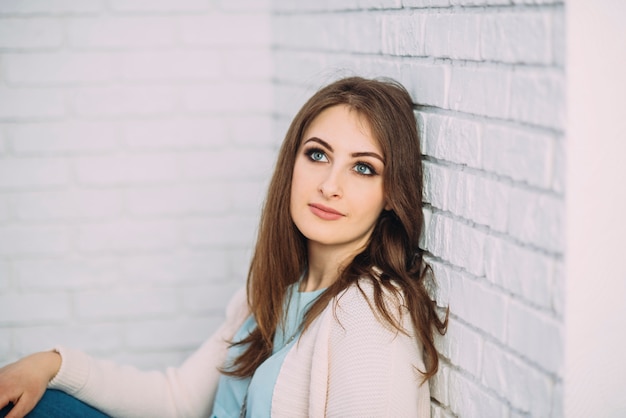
57 404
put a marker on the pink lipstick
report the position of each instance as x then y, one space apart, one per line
325 212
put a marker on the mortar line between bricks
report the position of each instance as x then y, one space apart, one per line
503 179
556 255
428 59
504 347
431 9
482 279
560 133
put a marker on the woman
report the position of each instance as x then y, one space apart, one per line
336 319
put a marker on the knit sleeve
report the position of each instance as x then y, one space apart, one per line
124 391
373 370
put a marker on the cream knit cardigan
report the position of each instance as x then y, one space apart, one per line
347 364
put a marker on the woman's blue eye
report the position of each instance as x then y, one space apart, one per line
317 155
364 169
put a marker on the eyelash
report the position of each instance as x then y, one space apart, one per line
372 172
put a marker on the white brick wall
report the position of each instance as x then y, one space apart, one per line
489 78
135 144
136 138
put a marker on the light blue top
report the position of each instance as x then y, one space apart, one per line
231 391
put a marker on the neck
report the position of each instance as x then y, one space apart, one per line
324 265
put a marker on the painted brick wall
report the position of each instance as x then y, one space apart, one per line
135 144
136 138
488 76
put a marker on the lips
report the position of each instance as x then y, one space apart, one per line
325 212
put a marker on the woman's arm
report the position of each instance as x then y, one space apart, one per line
128 392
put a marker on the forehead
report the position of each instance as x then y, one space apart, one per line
342 125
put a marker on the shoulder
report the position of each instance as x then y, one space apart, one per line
362 304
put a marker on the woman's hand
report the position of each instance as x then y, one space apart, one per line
24 382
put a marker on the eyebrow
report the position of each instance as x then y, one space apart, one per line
354 154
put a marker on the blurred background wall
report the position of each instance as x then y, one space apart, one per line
137 138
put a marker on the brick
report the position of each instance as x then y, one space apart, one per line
361 34
538 97
178 200
18 240
58 67
526 273
5 275
223 232
479 2
159 5
467 252
453 139
537 219
482 91
175 268
68 272
176 133
558 38
559 166
526 388
31 103
245 5
425 3
93 338
169 333
226 98
226 30
249 64
30 33
121 32
35 308
517 37
452 35
17 173
463 345
537 336
239 164
169 65
125 236
6 340
380 4
209 298
67 204
239 263
428 84
490 311
558 293
5 214
62 137
440 383
444 277
247 197
252 131
124 100
124 303
28 7
522 155
127 169
468 399
486 202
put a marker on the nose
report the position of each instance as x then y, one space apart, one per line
331 185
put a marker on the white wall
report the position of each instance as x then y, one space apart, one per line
135 143
595 372
490 79
136 138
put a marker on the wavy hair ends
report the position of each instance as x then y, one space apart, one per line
392 260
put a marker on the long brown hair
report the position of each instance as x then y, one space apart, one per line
392 259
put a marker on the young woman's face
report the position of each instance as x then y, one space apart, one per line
337 185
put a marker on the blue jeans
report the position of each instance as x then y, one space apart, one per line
57 404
